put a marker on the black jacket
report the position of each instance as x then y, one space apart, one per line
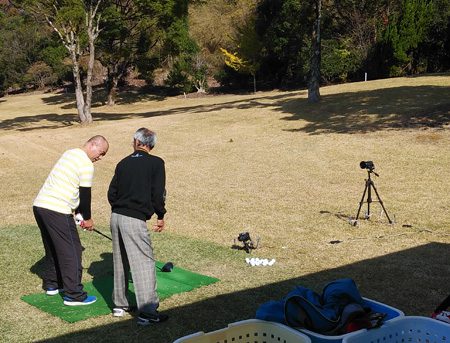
137 188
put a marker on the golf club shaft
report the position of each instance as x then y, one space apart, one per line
102 234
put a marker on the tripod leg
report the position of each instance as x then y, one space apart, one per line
361 203
381 202
369 197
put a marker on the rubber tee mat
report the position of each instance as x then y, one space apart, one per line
177 281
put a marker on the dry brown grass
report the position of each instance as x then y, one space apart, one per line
274 165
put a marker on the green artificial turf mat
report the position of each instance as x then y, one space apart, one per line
177 281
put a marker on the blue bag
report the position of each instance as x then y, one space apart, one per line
305 308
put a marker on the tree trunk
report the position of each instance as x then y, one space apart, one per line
71 43
116 73
70 38
88 102
78 89
92 32
314 81
111 88
200 85
200 88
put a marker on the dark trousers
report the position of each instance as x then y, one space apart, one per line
62 261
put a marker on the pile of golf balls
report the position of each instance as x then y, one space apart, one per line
255 261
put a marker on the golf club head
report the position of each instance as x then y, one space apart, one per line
167 268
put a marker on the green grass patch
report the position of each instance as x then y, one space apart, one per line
177 281
21 259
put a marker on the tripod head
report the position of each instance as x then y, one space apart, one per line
372 172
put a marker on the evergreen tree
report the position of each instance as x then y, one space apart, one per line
187 67
134 34
435 48
21 41
284 28
406 31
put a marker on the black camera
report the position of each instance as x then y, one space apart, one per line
244 237
367 165
247 242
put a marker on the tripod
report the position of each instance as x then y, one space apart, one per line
368 189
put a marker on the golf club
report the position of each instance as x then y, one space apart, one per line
166 268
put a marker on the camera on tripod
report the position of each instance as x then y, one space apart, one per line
367 165
247 243
370 185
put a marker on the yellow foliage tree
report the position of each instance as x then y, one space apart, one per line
239 64
233 60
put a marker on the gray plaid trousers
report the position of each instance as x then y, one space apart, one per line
132 249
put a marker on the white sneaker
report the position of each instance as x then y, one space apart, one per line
443 316
52 291
118 312
121 311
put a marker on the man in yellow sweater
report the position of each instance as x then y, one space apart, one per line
66 190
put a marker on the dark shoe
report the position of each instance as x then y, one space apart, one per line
120 311
148 318
90 299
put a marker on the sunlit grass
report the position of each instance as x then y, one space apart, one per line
268 163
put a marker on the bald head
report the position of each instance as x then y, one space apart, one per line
96 147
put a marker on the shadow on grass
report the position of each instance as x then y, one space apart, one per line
100 271
413 280
56 121
132 95
351 112
38 268
44 121
370 111
339 215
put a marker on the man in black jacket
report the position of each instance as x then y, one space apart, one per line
136 192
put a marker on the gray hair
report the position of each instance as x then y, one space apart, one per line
145 137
